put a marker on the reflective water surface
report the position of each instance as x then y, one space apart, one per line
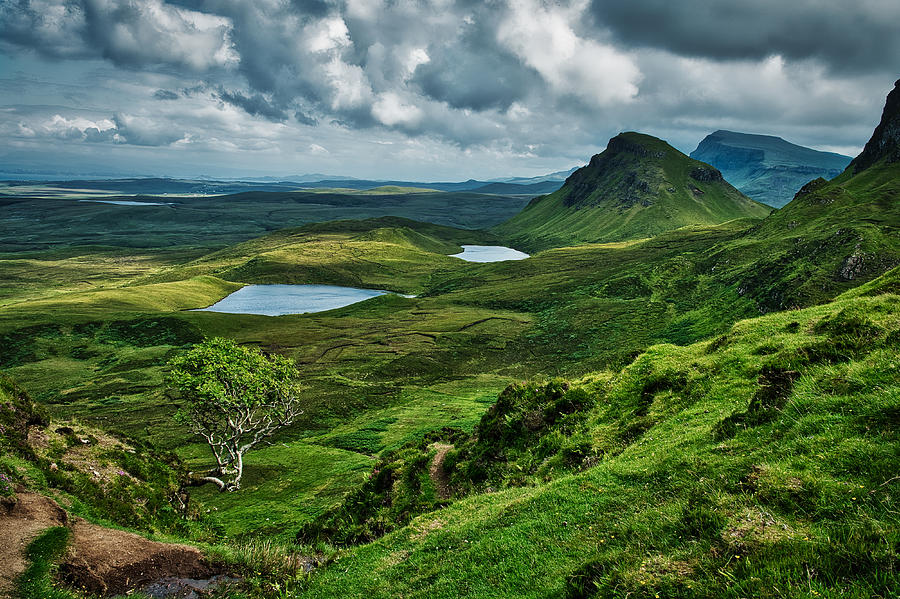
489 253
277 300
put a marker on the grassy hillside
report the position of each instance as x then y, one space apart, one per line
829 238
640 186
410 365
385 253
97 474
761 463
767 168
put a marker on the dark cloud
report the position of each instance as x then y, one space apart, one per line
164 94
55 31
474 72
305 119
313 8
505 80
843 35
255 105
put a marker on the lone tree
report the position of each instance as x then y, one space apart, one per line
235 397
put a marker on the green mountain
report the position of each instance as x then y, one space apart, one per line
640 186
832 235
767 168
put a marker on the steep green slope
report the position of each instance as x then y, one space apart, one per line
767 168
98 474
762 463
831 236
639 186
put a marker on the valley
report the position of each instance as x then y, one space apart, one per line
680 392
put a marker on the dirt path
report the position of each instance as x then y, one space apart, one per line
437 472
19 525
108 561
100 560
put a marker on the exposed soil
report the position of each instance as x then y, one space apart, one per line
100 560
109 562
437 472
19 525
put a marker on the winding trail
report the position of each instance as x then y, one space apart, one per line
437 472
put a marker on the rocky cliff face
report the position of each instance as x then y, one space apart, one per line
766 168
885 142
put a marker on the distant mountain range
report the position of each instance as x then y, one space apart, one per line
767 168
557 176
160 186
639 186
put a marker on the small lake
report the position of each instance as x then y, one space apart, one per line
489 253
128 203
278 300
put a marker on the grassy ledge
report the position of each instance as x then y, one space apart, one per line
43 553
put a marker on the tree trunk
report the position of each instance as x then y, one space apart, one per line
238 472
199 481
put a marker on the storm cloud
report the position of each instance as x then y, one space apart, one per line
255 105
859 35
530 85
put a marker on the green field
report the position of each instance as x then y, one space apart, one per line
38 221
707 411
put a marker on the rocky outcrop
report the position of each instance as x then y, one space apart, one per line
706 175
885 141
620 143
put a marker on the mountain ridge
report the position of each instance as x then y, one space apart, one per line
767 168
639 186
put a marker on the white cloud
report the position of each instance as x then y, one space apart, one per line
129 32
349 85
76 128
543 37
327 35
391 110
480 88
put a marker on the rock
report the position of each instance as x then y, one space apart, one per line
885 141
852 266
706 175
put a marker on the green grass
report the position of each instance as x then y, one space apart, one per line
387 253
285 485
43 553
38 275
797 501
85 306
99 357
295 480
414 363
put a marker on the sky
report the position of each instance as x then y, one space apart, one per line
424 90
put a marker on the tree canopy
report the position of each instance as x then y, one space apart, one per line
235 397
